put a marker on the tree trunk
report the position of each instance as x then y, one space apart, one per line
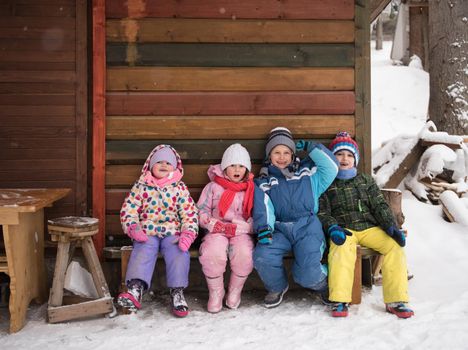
448 52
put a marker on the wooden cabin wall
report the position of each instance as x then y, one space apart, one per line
201 75
43 98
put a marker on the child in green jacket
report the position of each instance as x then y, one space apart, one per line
353 211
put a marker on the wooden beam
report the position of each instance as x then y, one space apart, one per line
362 84
99 122
376 8
81 113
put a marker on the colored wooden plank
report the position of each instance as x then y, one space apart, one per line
45 66
45 10
57 153
123 176
231 55
32 142
12 120
191 151
7 44
228 79
37 100
99 121
228 31
363 84
33 76
38 164
38 111
34 87
37 28
221 127
230 103
37 56
47 176
48 131
292 9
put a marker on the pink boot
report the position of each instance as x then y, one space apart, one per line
236 284
216 289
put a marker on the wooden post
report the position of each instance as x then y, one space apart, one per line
99 122
362 84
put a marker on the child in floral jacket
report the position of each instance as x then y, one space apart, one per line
353 211
160 216
225 211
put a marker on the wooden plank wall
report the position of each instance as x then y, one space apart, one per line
43 98
201 75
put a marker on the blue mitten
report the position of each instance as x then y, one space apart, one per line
265 237
303 145
397 234
338 234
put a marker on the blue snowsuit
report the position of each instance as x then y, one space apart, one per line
287 207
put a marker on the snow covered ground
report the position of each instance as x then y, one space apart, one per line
437 256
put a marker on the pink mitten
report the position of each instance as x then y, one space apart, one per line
218 227
186 239
230 230
136 233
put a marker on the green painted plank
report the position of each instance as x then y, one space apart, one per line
191 152
230 55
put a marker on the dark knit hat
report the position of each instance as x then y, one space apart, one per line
279 136
343 141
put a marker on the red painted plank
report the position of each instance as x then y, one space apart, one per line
234 9
230 103
99 119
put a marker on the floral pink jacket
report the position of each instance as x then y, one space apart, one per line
208 206
159 211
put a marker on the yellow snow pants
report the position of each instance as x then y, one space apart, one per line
341 260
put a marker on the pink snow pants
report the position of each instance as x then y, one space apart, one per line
217 248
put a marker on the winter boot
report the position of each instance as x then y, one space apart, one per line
216 290
400 309
273 299
236 283
131 300
179 305
339 310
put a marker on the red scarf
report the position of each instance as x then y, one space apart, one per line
230 190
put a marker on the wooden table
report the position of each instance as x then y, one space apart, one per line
22 219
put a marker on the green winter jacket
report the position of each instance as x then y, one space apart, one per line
356 204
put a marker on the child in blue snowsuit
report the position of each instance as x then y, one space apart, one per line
285 207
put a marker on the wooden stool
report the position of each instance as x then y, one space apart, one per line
69 232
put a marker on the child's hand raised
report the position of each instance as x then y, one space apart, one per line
303 145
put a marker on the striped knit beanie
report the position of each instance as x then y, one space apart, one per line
343 141
280 136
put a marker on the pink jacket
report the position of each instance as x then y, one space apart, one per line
208 206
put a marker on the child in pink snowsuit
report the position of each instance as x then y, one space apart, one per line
159 216
225 207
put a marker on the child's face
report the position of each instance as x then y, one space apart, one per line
162 169
235 172
346 159
281 156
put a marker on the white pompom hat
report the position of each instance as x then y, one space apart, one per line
236 154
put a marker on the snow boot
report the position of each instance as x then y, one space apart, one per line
130 301
400 309
216 290
339 310
179 305
273 299
233 298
